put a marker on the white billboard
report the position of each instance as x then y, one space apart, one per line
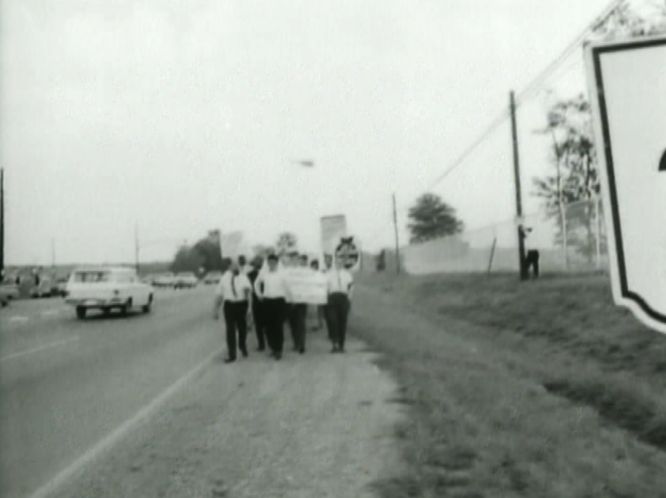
628 95
333 228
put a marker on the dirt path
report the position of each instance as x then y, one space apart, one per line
313 425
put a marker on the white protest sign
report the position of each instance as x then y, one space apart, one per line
333 228
628 95
306 285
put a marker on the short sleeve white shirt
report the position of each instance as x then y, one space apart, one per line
339 280
271 284
232 287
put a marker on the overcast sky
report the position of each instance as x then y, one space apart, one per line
186 116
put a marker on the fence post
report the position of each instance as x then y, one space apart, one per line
563 224
597 226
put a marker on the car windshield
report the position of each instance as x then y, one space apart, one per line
91 276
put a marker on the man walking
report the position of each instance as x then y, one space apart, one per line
233 292
298 310
271 288
257 312
339 286
325 310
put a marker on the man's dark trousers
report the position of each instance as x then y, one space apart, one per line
338 310
274 310
259 322
235 321
297 312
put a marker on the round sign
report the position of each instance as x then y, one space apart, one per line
347 251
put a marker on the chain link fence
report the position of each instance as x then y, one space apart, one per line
568 238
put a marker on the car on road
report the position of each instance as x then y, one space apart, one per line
60 288
45 288
8 291
212 277
107 288
164 280
186 279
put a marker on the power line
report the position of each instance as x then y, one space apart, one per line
530 88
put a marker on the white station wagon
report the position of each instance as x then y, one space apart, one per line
107 288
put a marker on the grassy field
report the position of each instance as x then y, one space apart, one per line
542 388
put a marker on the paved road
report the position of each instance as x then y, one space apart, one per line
65 384
136 407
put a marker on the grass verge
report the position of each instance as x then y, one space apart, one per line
535 389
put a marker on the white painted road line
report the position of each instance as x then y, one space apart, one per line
114 437
38 349
49 312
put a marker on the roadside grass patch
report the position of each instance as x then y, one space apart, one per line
518 390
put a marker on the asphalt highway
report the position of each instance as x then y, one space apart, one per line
143 406
65 383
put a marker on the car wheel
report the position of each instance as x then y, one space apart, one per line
80 312
106 311
126 307
146 307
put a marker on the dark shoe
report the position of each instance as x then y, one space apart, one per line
278 356
301 351
261 348
229 360
244 353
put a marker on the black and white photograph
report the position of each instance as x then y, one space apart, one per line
332 248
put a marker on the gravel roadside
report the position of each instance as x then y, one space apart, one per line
312 425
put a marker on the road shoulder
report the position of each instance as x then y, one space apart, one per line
311 425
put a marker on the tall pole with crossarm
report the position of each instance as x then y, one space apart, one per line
519 198
2 221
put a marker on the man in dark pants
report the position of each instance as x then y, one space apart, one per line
298 310
257 313
271 288
328 264
233 292
339 284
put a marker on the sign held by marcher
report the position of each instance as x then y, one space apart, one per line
627 83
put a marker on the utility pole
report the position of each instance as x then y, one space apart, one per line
397 243
519 199
2 222
136 247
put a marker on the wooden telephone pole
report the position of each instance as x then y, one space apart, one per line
397 244
519 199
2 221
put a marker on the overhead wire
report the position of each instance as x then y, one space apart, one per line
528 91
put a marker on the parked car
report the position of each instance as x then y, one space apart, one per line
164 280
9 290
60 288
43 289
107 288
212 277
186 279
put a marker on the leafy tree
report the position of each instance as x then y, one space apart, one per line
286 242
209 251
431 218
187 259
576 175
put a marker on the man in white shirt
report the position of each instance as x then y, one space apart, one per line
339 283
271 288
233 292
